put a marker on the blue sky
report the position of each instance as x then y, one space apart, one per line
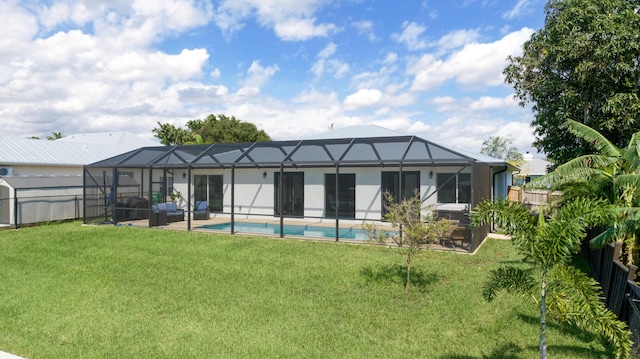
291 67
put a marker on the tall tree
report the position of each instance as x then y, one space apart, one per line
170 135
584 64
500 147
213 129
223 129
549 241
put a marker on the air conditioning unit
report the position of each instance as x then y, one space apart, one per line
6 171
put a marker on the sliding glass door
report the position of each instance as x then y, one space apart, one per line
209 188
346 201
293 194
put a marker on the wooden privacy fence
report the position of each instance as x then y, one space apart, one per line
621 293
532 199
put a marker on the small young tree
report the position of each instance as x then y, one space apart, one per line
549 241
418 229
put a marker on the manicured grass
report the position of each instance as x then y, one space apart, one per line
72 291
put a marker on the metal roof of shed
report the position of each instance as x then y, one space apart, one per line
76 150
370 151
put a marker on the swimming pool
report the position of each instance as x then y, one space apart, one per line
292 230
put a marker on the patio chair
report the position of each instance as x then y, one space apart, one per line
201 210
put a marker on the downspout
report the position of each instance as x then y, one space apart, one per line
493 194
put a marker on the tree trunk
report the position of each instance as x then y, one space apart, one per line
543 318
406 288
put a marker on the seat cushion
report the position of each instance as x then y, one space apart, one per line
201 206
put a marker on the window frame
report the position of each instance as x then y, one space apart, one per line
459 191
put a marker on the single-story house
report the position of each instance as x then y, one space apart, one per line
328 178
41 180
530 169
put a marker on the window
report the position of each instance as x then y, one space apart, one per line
453 188
346 196
166 191
390 184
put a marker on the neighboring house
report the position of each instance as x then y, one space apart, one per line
41 180
338 176
530 169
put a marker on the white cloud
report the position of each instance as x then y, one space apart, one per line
468 122
522 7
17 26
411 36
302 29
362 98
458 38
291 20
491 103
333 66
73 81
476 64
328 51
391 58
258 75
365 28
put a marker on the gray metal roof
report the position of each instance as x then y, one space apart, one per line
350 152
534 167
22 151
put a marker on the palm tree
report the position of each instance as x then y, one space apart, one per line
55 136
500 147
611 173
549 242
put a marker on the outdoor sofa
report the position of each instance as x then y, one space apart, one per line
164 213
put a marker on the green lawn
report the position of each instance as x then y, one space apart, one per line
72 291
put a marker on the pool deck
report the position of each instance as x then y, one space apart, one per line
445 245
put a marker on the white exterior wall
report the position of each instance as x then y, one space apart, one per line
254 193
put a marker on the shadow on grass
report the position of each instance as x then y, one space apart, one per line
506 351
513 351
581 335
397 274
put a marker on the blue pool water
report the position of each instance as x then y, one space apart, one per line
293 230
